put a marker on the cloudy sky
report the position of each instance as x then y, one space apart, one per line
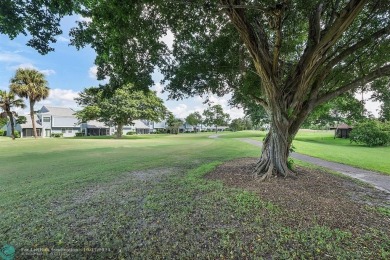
69 71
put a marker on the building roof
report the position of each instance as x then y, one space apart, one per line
28 123
138 124
343 126
57 111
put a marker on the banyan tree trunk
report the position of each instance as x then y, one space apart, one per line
275 152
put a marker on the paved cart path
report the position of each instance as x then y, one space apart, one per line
379 181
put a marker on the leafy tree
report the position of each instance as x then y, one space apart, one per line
3 121
345 108
240 124
194 119
30 84
381 90
173 123
120 107
215 116
370 133
237 124
36 18
8 101
288 57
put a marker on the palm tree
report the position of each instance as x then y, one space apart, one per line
7 102
30 84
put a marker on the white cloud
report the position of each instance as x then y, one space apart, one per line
180 111
84 19
63 39
168 39
23 66
158 88
92 72
57 97
371 106
12 57
60 97
46 72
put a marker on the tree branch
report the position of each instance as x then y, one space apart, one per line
350 50
255 39
253 7
260 101
314 52
278 43
380 72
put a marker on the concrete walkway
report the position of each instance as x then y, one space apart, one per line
379 181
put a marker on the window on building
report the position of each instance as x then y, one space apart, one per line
63 130
46 119
70 131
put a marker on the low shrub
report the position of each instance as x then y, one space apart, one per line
3 132
369 133
57 135
129 133
17 134
79 134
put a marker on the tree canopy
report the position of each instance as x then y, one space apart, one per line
8 102
215 116
36 18
120 107
30 84
288 57
194 119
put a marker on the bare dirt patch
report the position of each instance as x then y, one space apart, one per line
315 197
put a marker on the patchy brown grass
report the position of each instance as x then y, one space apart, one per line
316 197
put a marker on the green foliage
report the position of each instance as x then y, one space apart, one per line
369 133
130 133
3 120
215 115
8 101
79 134
3 132
16 134
345 108
173 123
120 106
381 93
194 119
38 19
21 120
57 135
240 124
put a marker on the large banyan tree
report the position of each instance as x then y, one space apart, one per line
287 56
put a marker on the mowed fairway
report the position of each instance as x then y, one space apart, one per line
322 144
145 197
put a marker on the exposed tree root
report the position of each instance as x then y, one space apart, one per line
265 169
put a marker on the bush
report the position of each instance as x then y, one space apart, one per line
369 133
129 133
56 134
3 132
79 134
17 134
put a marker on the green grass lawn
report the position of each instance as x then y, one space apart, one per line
322 144
145 197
